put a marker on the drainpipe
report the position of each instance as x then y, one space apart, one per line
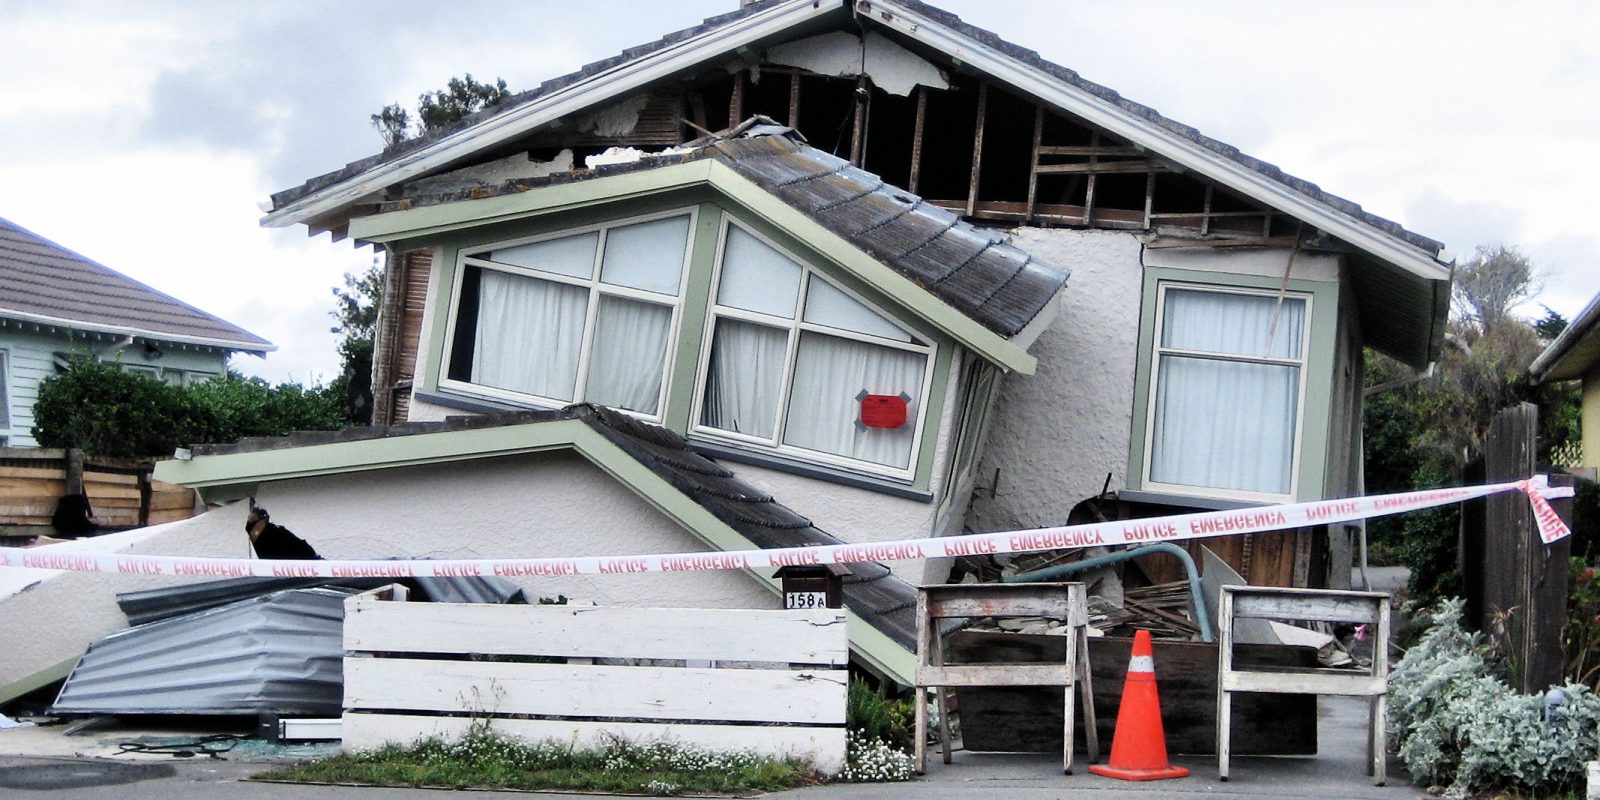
1196 598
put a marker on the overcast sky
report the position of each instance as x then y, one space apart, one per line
144 134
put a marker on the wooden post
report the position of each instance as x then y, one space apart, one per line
1033 172
794 98
736 100
977 149
73 466
1525 581
916 138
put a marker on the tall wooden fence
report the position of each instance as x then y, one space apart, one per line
721 679
1516 584
120 490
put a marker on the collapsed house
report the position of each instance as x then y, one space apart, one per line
805 308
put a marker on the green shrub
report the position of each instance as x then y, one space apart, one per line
880 735
1456 723
104 410
874 716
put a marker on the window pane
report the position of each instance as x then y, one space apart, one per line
745 377
647 256
569 255
756 277
629 354
829 374
828 305
1223 322
529 334
1203 435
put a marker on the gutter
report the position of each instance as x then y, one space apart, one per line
261 347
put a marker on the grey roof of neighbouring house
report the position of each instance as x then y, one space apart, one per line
41 281
1575 351
886 602
978 35
972 269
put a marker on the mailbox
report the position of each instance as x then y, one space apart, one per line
813 585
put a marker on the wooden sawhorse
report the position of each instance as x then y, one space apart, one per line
1262 602
1064 601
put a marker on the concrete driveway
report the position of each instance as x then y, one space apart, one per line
1337 772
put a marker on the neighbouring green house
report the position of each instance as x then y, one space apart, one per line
1575 356
56 304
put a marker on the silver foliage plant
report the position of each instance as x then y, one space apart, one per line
1455 723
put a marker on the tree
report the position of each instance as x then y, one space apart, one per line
439 109
1422 434
462 96
355 315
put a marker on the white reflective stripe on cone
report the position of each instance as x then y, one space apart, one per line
1142 664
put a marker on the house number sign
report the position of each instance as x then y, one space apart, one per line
805 599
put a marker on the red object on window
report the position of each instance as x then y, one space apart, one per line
883 411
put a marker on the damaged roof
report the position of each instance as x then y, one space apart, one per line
876 596
907 17
972 269
41 281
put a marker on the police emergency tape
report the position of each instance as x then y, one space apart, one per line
1141 531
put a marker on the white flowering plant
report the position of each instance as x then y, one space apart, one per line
1455 723
873 760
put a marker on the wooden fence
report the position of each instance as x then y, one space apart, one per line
120 490
721 679
1515 584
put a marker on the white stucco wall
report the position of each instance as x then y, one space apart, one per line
550 504
1055 434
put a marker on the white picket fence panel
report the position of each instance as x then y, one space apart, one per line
735 679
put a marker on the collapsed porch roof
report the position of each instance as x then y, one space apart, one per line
701 495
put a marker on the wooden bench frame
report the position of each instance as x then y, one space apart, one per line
1260 602
1064 601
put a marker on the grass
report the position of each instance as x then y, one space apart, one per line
485 760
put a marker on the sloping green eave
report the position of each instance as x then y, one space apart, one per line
419 224
248 469
334 458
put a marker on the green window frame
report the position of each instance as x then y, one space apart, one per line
1308 466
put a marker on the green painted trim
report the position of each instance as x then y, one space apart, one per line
60 671
1321 355
239 469
432 220
336 458
692 322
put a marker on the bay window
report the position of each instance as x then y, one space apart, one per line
791 357
1226 391
584 315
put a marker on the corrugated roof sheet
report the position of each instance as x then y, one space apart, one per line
41 278
978 35
886 602
281 653
151 605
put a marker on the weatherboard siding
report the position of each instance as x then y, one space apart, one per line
31 357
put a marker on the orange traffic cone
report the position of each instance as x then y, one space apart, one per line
1139 749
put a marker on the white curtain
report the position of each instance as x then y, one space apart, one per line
745 377
830 372
529 334
629 354
1204 433
1222 322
